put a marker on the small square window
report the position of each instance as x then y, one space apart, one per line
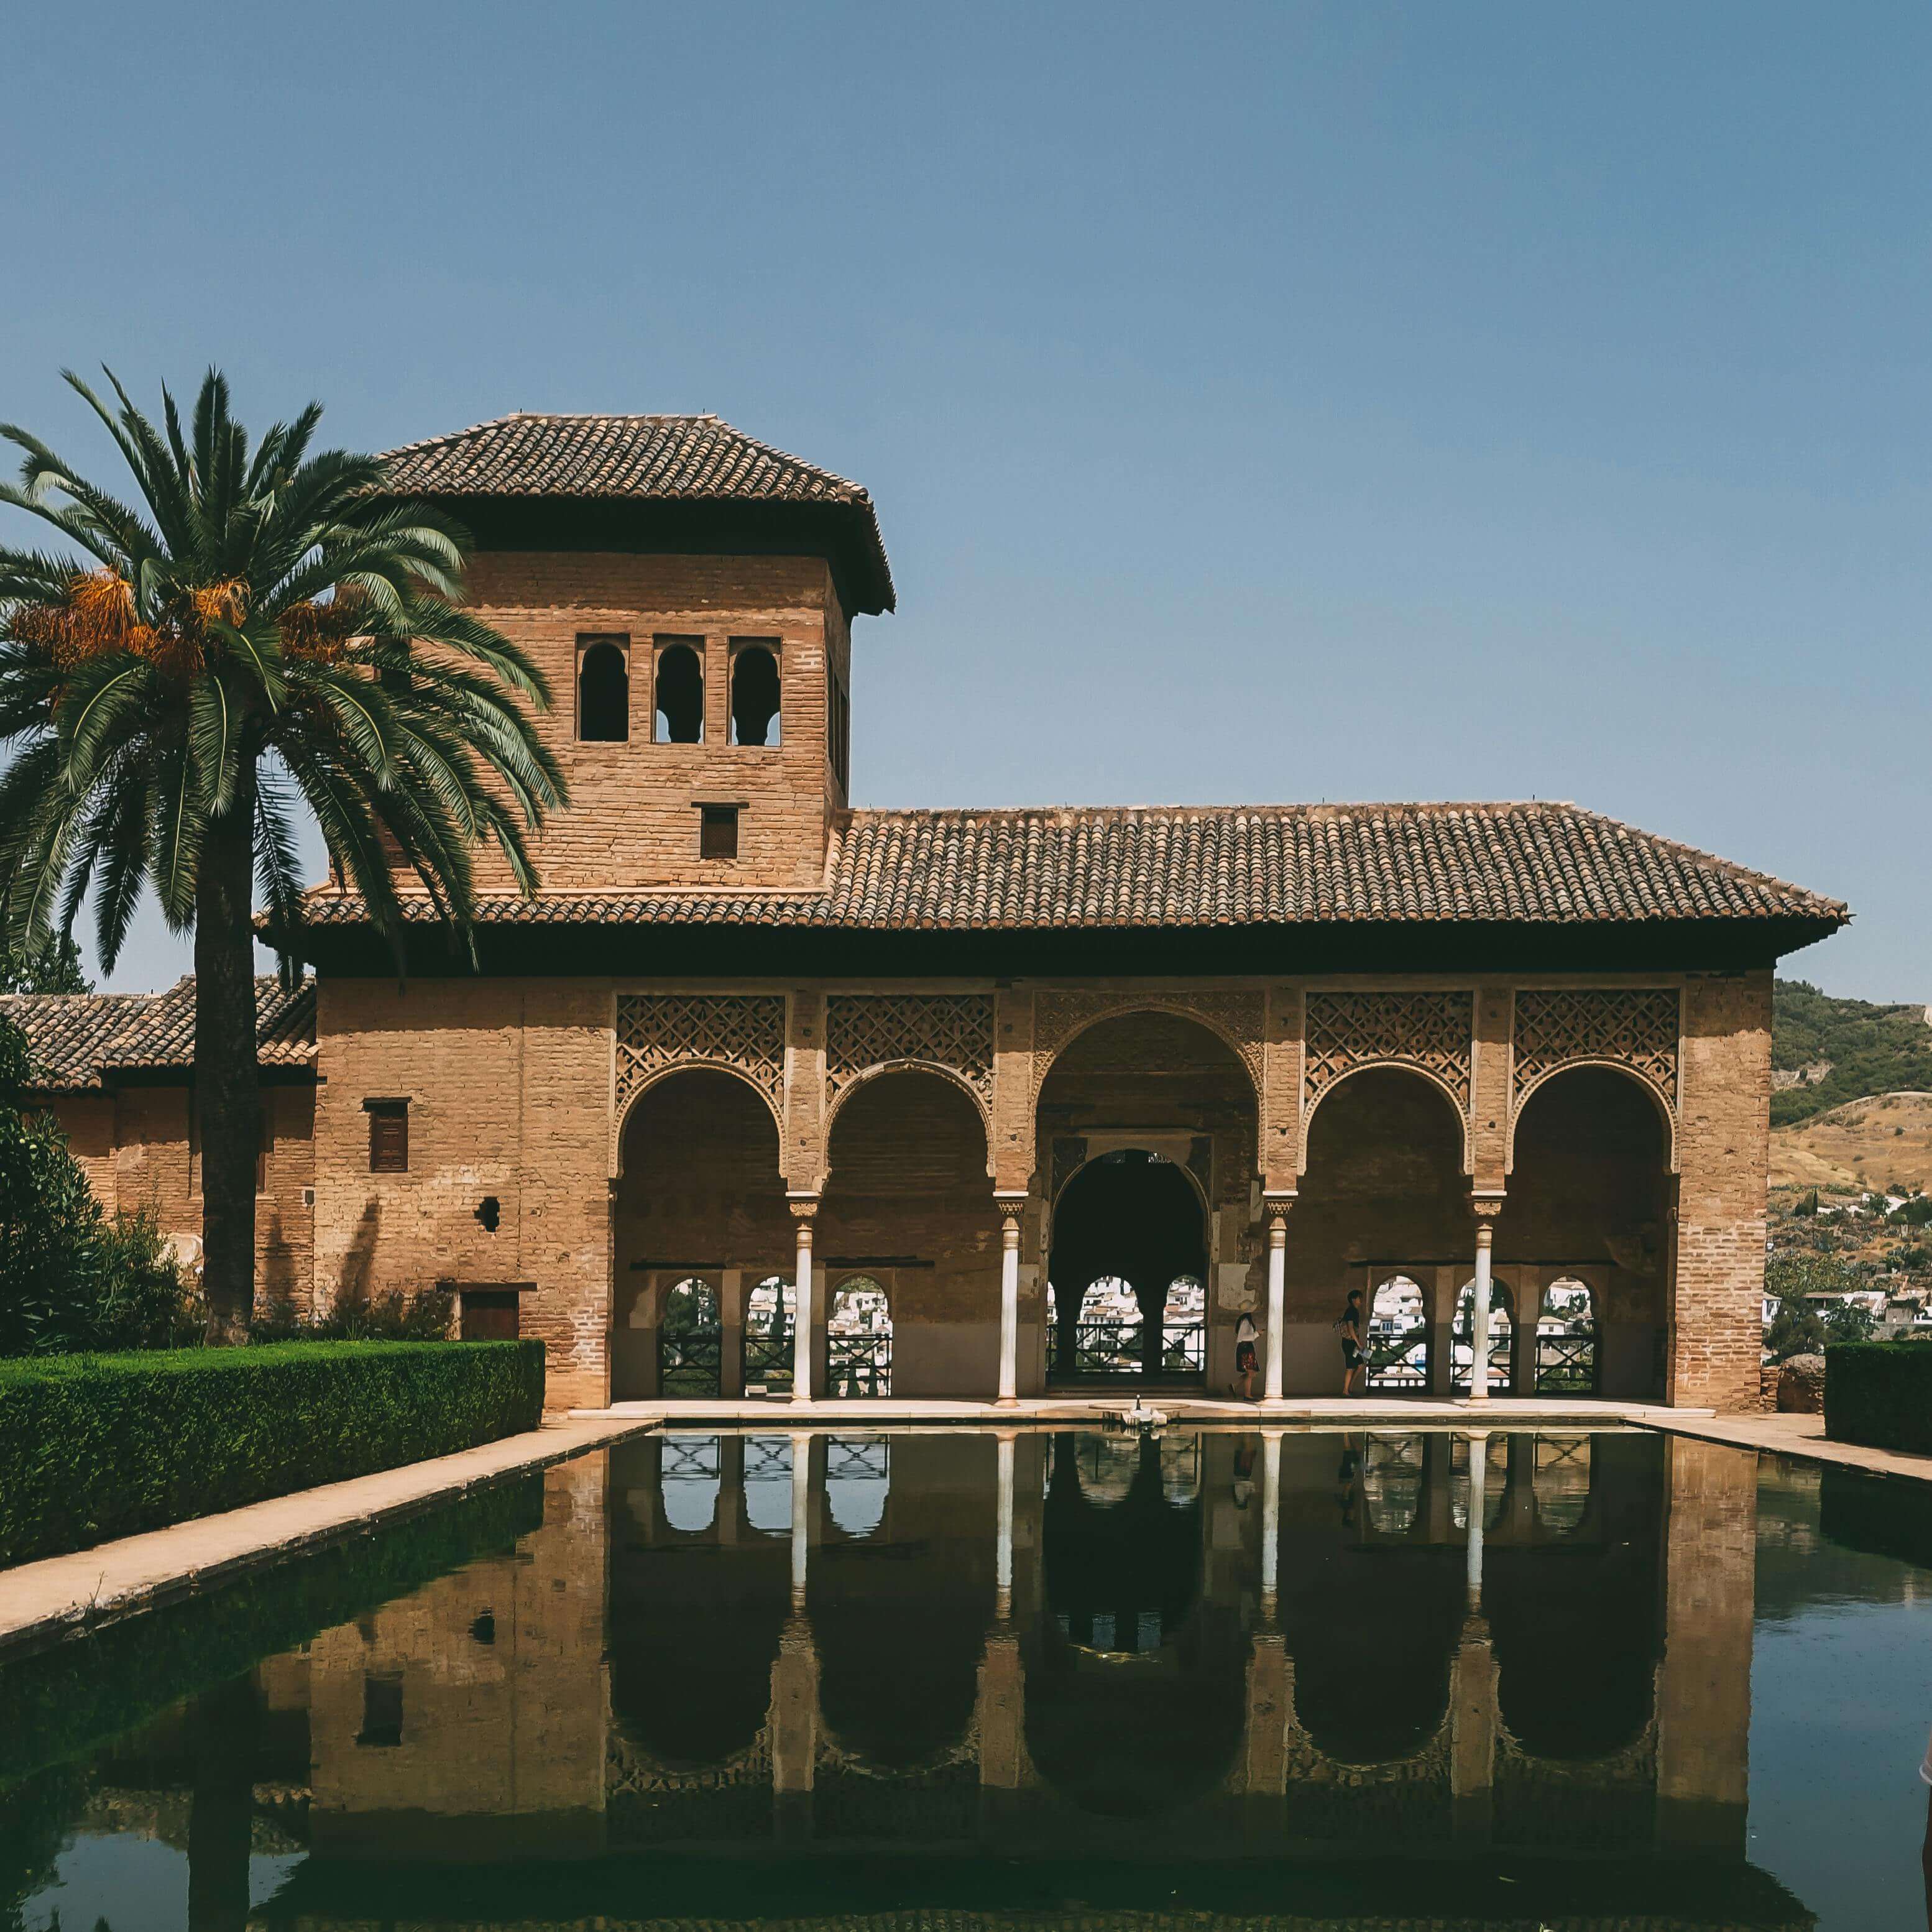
389 1136
718 832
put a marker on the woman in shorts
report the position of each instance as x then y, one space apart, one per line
1246 1335
1354 1354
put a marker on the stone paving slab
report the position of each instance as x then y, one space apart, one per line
60 1595
1329 1411
1800 1435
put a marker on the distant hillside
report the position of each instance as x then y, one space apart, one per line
1825 1051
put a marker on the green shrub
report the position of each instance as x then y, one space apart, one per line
93 1446
427 1315
1880 1394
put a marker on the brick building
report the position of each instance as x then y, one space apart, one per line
1197 1061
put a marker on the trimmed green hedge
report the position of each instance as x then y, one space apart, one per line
93 1446
1880 1394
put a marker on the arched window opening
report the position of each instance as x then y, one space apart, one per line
1392 1484
858 1339
769 1310
1462 1352
1398 1339
690 1339
1561 1482
603 693
689 1479
680 695
754 695
1566 1340
1495 1480
768 1484
858 1478
1108 1333
1183 1328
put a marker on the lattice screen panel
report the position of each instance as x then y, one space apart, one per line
1636 1027
1430 1030
863 1030
658 1031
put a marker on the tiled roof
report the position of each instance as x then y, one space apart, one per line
657 459
1208 865
78 1040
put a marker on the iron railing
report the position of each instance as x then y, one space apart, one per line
1399 1362
1567 1364
689 1361
859 1363
1461 1356
768 1356
1111 1348
1183 1349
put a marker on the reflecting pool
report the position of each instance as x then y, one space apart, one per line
1300 1679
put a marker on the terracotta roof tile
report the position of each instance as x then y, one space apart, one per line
689 459
79 1039
1207 865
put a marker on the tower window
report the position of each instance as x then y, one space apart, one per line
839 733
754 694
603 691
718 832
680 695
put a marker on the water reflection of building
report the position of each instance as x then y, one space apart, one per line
1047 1641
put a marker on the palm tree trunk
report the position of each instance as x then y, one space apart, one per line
228 1103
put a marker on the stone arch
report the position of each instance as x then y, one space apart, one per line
627 1107
1425 1074
882 1070
1218 1014
907 1199
1666 1113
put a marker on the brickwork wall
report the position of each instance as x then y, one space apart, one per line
634 820
508 1084
1724 1153
135 1147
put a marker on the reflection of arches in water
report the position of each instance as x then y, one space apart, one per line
858 1479
1398 1338
690 1339
691 1639
1576 1620
859 1339
768 1484
770 1307
1372 1625
1461 1343
1495 1480
1135 1706
1566 1339
1561 1482
690 1481
900 1618
1127 1229
1392 1484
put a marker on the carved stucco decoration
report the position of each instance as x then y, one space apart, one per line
1636 1027
1430 1031
744 1032
867 1031
1240 1019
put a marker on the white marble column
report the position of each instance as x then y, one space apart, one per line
1276 1207
1486 1208
1012 1208
1479 1476
1002 1574
803 1208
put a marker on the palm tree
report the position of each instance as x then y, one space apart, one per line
266 633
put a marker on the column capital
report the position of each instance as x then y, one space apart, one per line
1276 1204
802 1206
1012 1205
1486 1206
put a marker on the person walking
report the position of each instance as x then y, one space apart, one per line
1246 1357
1354 1351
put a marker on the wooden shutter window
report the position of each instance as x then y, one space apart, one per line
389 1136
718 837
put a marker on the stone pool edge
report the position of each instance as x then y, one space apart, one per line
58 1597
1802 1436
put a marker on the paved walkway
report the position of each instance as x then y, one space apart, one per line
1327 1411
1800 1435
61 1594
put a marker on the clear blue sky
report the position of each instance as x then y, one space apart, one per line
1300 402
